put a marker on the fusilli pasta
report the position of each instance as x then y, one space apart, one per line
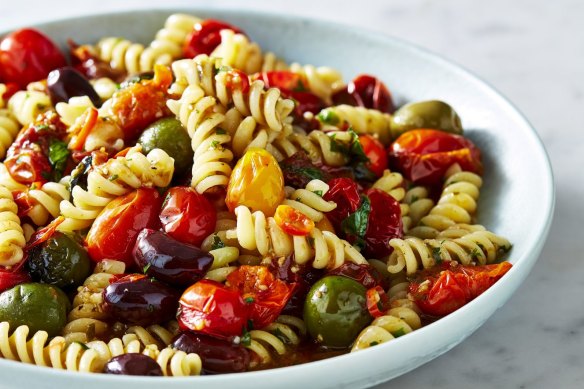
276 337
27 105
12 239
362 120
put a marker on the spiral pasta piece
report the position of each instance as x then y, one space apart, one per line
70 111
104 87
9 128
479 247
255 232
457 204
419 205
396 322
309 200
245 132
276 338
212 158
362 120
158 335
12 240
237 51
267 107
392 183
117 177
27 105
320 147
46 201
323 81
86 320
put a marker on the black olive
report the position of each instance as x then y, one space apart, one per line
66 82
133 364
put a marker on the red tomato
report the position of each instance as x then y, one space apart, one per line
423 156
377 301
444 291
385 223
375 152
43 234
187 216
236 79
114 232
370 92
27 55
293 222
364 274
345 193
205 37
264 294
11 89
294 86
9 279
28 166
212 308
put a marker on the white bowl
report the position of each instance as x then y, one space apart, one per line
517 199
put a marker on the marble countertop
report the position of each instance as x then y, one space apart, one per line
531 51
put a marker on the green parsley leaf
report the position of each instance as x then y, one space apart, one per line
356 223
299 87
436 254
217 243
83 345
328 116
249 300
245 337
114 177
145 268
58 155
318 192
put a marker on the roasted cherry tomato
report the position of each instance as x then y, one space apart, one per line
423 156
377 301
294 86
11 89
345 193
445 289
370 92
299 170
212 308
237 80
114 232
8 279
256 182
364 274
292 221
28 166
206 37
132 117
385 223
27 55
375 151
187 216
264 294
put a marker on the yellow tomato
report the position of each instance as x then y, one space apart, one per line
256 182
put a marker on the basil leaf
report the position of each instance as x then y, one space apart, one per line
217 243
356 223
58 155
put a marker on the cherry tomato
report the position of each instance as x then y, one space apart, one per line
206 37
187 216
364 274
264 294
377 301
11 89
292 221
423 156
114 232
256 182
9 279
27 55
345 193
236 79
299 170
132 117
370 92
28 166
445 289
385 223
375 152
294 86
212 308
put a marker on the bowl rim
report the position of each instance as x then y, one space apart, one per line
510 281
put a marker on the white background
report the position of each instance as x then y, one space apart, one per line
531 51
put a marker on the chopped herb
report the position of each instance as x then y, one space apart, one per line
250 324
318 192
328 116
58 155
374 343
220 131
215 144
217 243
476 253
114 177
436 254
83 345
310 240
42 127
398 333
246 338
249 300
145 268
414 199
356 223
299 87
280 335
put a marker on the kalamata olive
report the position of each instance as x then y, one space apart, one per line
336 311
169 260
133 364
137 299
67 82
169 135
432 114
39 306
217 355
60 261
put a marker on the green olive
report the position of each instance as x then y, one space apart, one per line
432 114
169 135
39 306
60 261
335 311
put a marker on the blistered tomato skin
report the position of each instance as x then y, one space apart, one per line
345 193
292 221
364 274
64 83
218 355
169 260
375 151
424 155
140 300
187 216
211 308
133 364
114 232
370 92
206 37
256 182
27 55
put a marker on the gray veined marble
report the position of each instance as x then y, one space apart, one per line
533 52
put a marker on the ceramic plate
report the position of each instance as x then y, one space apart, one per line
517 198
